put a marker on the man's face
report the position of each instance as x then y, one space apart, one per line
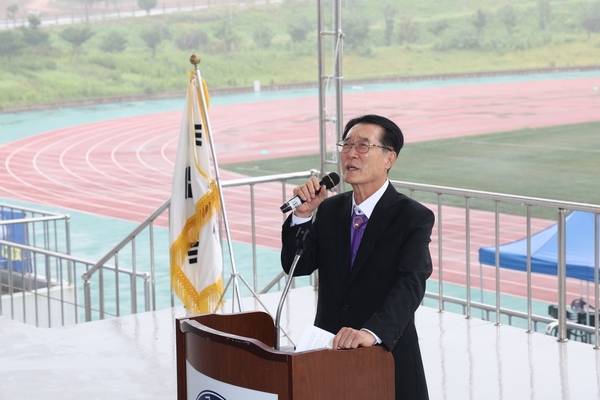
370 167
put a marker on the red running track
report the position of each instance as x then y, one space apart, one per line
122 168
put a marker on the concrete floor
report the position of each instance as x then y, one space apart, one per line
133 357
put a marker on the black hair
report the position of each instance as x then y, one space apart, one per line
392 135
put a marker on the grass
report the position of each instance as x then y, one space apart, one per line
422 60
559 162
57 73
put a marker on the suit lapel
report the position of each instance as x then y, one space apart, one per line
343 226
380 218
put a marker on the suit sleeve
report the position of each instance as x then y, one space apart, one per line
306 264
394 319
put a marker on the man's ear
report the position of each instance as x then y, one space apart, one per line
390 160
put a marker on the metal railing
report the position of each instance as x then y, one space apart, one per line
460 203
41 229
44 293
129 245
123 281
24 275
451 204
149 278
49 294
465 220
38 276
281 180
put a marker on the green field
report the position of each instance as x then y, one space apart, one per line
276 43
561 163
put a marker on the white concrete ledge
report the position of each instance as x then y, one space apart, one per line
133 357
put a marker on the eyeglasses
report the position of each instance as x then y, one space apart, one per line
360 147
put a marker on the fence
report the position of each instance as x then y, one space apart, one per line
77 13
465 222
23 275
126 279
469 220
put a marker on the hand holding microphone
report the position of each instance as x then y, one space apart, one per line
310 188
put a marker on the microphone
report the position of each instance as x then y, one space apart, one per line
329 180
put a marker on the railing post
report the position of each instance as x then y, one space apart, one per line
440 258
596 283
529 293
1 291
133 294
152 265
468 254
497 259
133 277
253 239
283 196
48 288
147 291
87 297
117 286
35 292
101 292
68 240
562 277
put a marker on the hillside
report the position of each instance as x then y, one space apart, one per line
275 43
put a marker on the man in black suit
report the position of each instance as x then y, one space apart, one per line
369 288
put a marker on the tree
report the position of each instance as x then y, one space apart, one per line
191 39
34 37
356 31
11 44
262 36
12 12
229 37
590 18
76 36
543 13
298 31
408 30
34 21
463 38
152 37
508 16
113 42
439 27
147 5
479 21
389 12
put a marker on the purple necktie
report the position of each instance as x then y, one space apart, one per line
359 222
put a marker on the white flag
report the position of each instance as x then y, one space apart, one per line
196 258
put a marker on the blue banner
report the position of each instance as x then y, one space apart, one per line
11 257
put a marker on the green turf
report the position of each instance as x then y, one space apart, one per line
560 162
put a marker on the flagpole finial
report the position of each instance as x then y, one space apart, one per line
195 59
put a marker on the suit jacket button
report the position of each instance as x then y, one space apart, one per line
397 338
346 306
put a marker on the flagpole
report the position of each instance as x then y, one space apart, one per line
195 60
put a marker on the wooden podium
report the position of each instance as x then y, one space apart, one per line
238 350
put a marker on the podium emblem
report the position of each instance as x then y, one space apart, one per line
209 395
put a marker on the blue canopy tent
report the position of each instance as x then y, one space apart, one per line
544 249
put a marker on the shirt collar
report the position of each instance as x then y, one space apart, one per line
368 205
